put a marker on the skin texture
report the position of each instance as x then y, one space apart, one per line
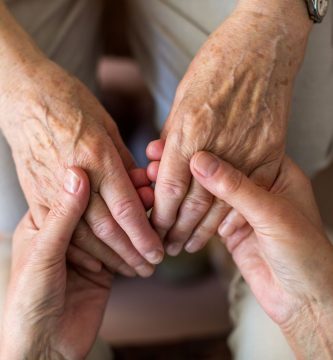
50 303
233 101
52 121
282 252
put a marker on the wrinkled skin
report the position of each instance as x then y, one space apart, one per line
58 123
233 101
53 309
282 252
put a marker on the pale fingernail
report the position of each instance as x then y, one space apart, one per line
226 229
126 270
155 257
206 164
191 247
174 249
145 270
71 182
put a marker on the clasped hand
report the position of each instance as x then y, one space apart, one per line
282 253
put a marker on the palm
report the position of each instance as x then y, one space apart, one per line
258 272
85 299
270 262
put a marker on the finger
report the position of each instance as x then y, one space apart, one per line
262 176
139 177
146 195
230 185
54 237
173 181
127 210
107 230
231 223
231 242
39 214
124 153
193 208
88 242
155 149
80 258
152 170
207 228
142 184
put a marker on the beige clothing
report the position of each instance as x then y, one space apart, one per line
165 35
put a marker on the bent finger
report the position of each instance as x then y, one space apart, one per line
230 185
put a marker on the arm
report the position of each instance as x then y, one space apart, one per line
283 253
234 101
312 338
52 121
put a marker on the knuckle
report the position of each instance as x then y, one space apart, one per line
231 181
196 206
124 209
162 222
60 210
92 149
104 227
221 207
173 189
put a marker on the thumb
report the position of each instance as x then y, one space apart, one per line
57 230
232 186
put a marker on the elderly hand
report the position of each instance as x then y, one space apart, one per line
53 310
282 253
52 121
233 101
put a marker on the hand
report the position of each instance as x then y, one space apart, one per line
282 253
53 310
233 101
53 122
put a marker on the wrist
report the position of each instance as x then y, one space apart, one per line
19 58
293 15
310 332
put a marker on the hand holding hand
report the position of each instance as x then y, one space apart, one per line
53 310
234 102
282 253
62 124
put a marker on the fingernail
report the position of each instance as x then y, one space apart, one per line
174 249
206 164
226 229
191 247
145 270
71 182
155 257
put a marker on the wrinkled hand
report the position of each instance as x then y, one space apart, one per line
53 310
282 253
233 101
54 122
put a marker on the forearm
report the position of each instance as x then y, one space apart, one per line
312 337
17 53
293 12
290 18
309 330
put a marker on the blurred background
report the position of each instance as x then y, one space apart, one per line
182 311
